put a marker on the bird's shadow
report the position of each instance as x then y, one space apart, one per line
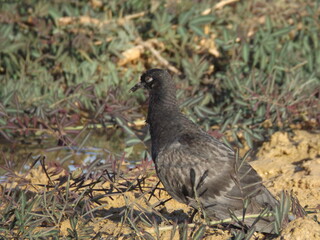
119 214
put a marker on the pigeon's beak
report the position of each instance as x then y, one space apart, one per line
137 86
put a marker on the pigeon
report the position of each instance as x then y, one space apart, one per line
194 167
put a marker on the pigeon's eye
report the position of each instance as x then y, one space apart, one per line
149 79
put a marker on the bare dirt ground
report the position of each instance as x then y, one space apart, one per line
292 162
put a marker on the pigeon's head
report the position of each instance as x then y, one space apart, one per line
154 79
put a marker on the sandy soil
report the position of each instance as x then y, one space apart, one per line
292 162
287 162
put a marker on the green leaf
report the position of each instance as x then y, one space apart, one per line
184 231
269 24
236 118
206 110
198 112
184 17
248 139
74 222
310 62
202 20
198 30
199 233
182 32
245 52
133 141
282 32
124 126
241 102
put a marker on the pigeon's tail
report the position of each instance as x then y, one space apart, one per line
264 224
256 212
274 217
265 197
263 221
261 208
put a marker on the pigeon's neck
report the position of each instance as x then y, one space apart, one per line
165 120
163 107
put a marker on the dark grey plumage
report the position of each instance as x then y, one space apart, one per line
192 165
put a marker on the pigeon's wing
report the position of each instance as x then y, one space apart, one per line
198 168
